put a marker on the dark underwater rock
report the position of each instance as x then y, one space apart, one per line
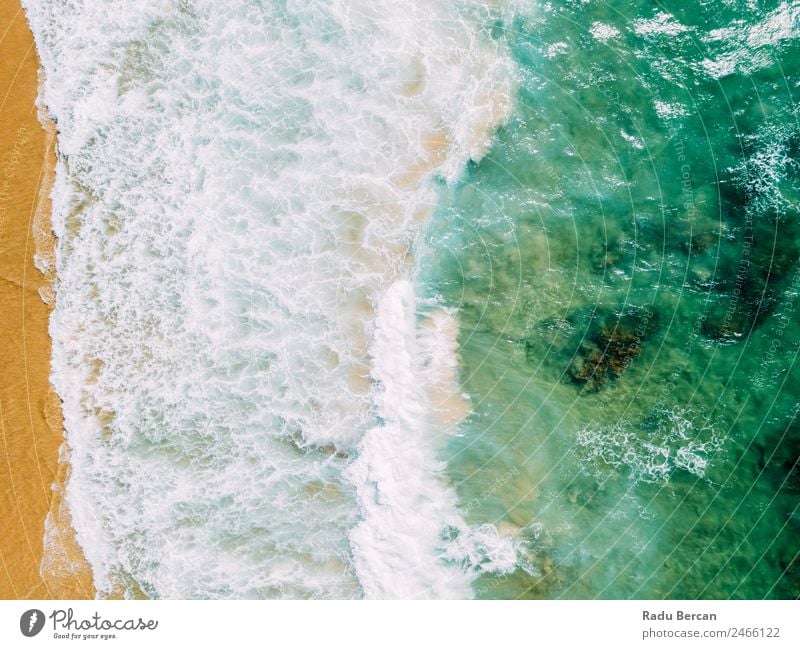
779 458
737 318
605 254
791 468
700 242
613 342
753 263
589 367
751 285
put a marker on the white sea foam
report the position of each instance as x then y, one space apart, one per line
667 110
603 32
676 439
412 541
398 545
239 185
746 48
661 24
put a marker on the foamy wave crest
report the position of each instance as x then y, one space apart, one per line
413 542
238 184
405 504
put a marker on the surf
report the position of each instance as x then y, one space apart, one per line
239 197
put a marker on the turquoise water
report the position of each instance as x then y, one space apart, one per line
624 262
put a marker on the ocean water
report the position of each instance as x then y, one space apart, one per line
446 299
624 263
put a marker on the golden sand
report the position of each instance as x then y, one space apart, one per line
31 431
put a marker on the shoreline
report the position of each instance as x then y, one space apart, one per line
31 427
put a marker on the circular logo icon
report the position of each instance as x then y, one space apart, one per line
31 622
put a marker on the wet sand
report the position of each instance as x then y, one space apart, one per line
31 431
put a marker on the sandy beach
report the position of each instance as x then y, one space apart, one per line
31 432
